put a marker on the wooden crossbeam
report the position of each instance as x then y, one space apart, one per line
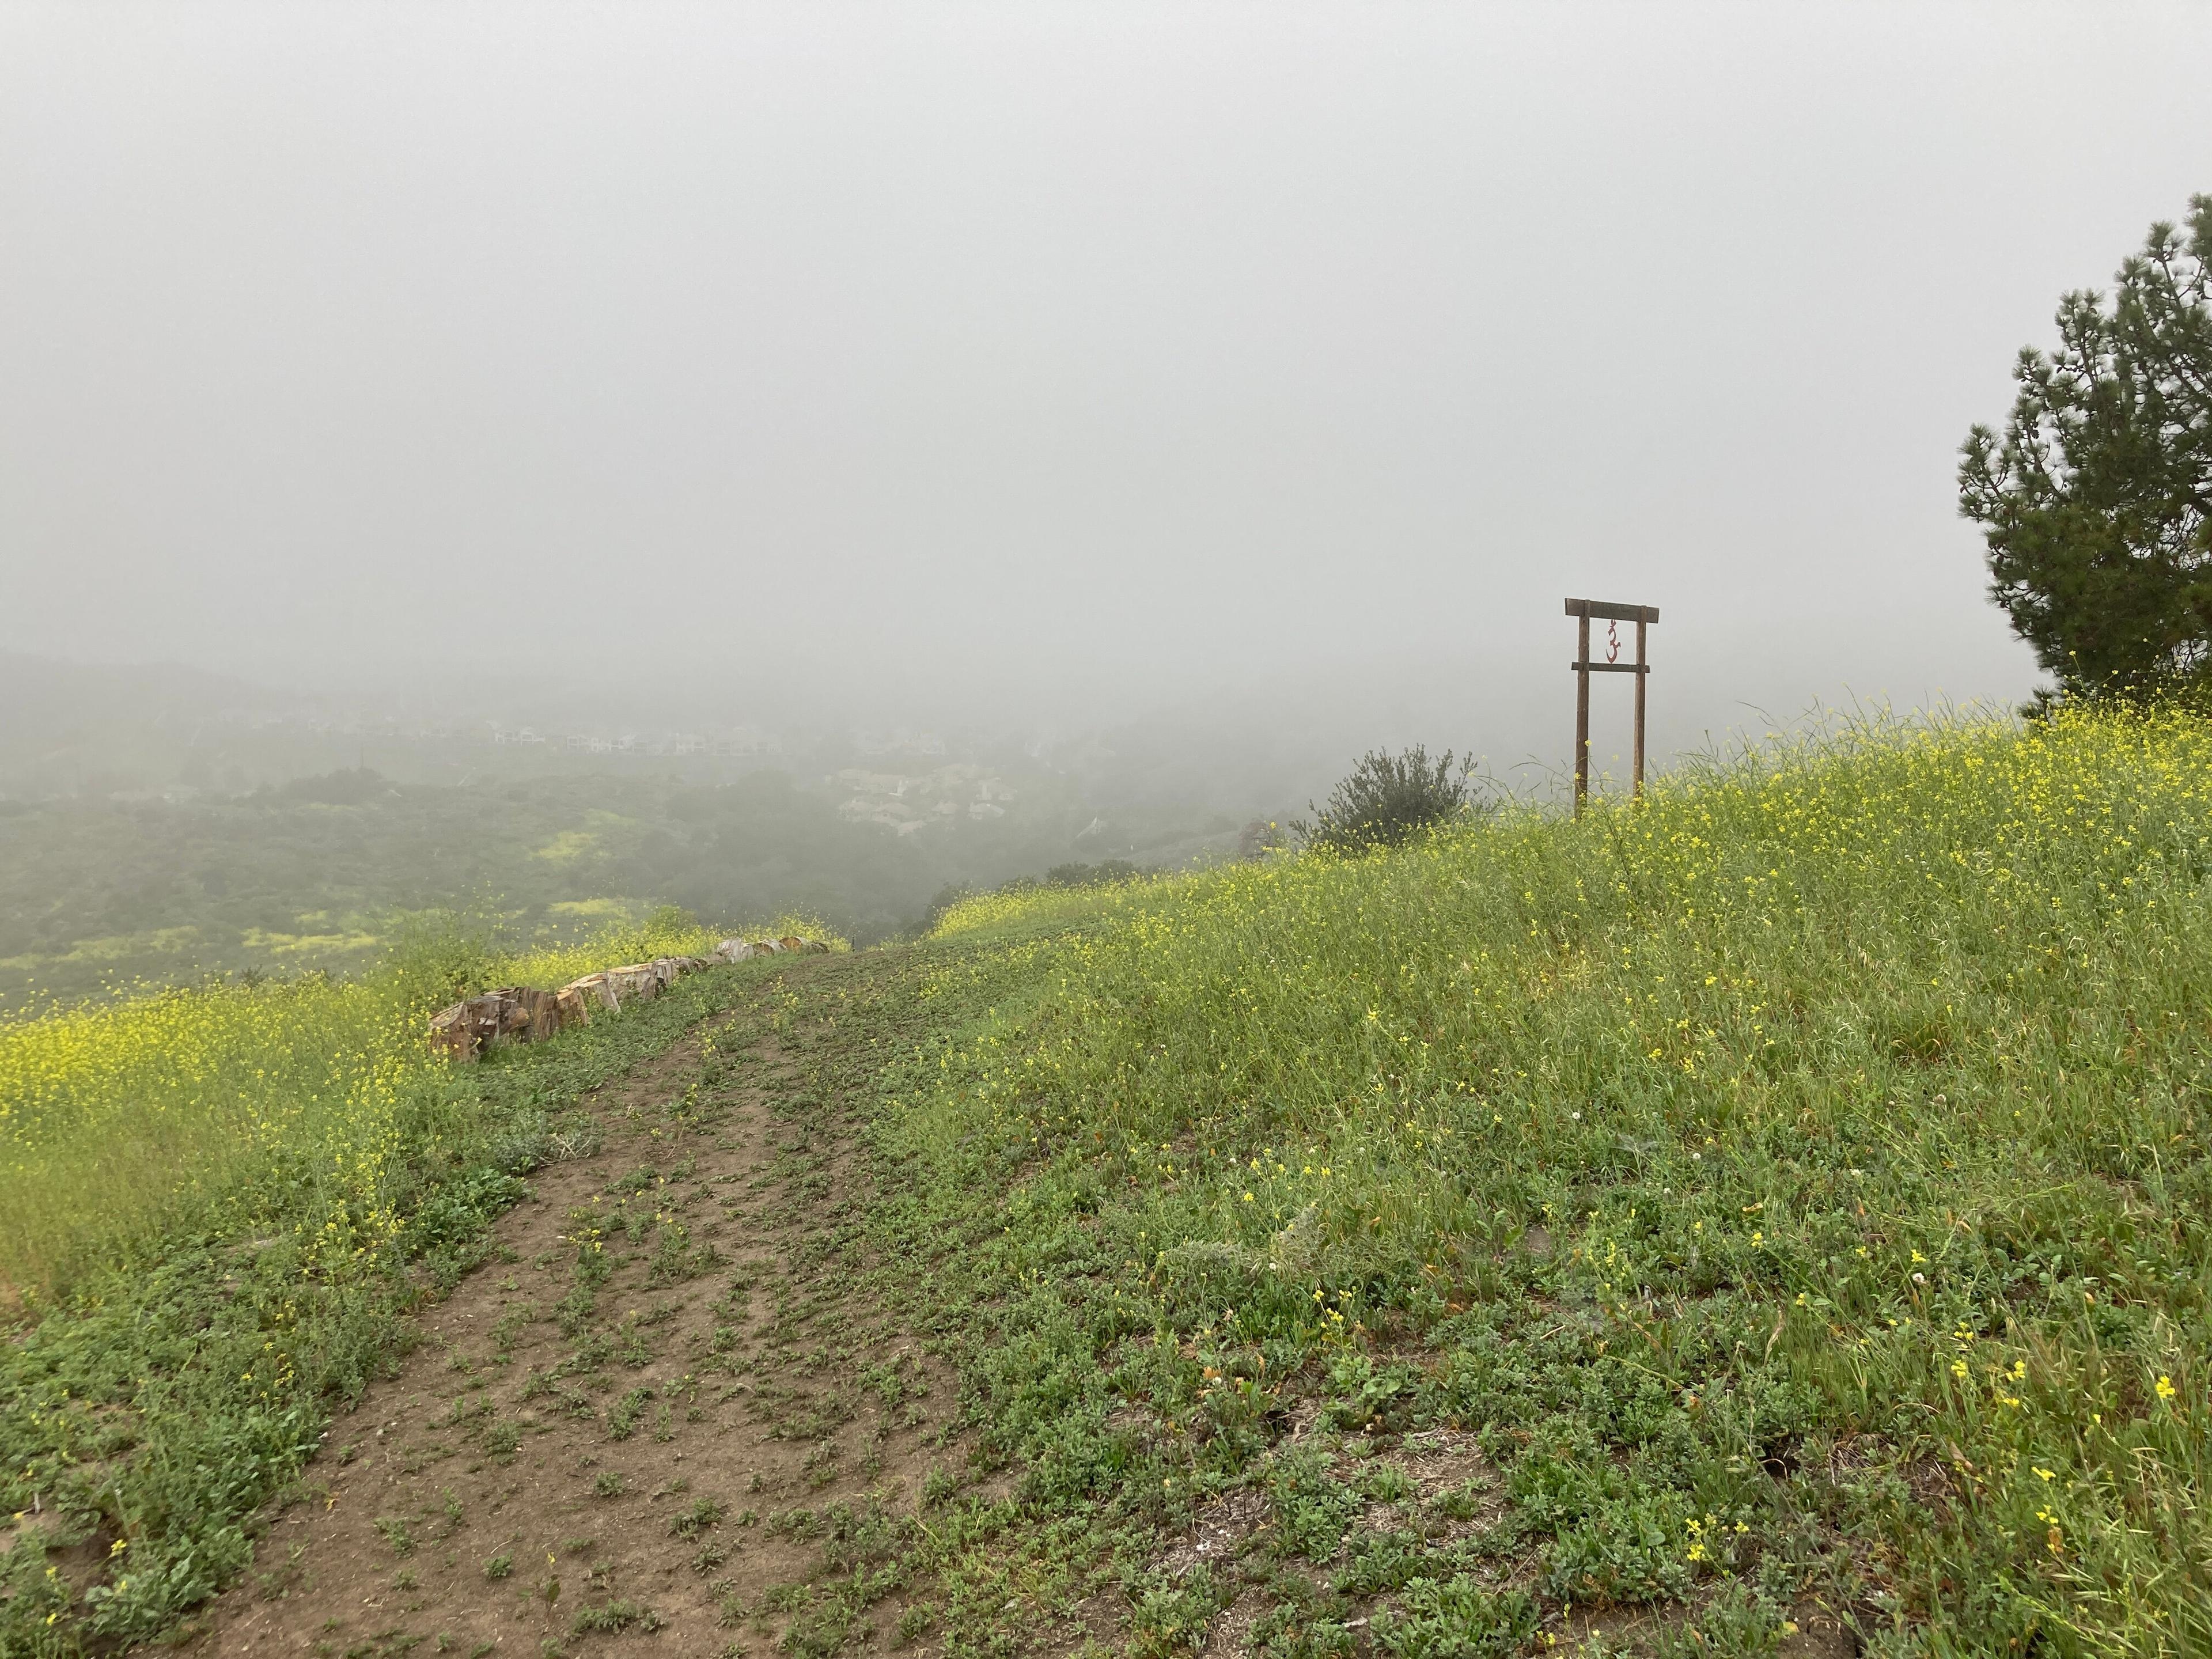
1604 610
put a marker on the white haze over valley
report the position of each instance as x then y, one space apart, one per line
1267 374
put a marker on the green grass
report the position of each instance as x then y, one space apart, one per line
1024 908
269 1109
1796 1188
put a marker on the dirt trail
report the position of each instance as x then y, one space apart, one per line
665 1403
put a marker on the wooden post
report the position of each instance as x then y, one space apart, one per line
1643 674
1581 711
1642 616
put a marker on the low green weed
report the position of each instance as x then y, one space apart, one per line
1311 1507
616 1619
1171 1615
690 1522
622 1415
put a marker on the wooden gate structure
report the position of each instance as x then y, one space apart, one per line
1643 616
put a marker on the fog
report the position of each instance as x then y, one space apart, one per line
1049 366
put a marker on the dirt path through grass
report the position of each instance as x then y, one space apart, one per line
666 1401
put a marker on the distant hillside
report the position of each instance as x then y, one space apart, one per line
158 821
316 872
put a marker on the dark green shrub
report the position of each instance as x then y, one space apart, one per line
1389 798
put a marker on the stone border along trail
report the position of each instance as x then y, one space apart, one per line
524 1013
591 1444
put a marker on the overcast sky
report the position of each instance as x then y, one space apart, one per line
1052 360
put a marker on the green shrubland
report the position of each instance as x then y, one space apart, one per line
1796 1188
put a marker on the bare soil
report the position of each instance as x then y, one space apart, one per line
565 1464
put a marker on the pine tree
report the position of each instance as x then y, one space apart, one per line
2096 503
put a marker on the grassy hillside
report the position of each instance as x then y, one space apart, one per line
241 1107
1791 1197
1765 1220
